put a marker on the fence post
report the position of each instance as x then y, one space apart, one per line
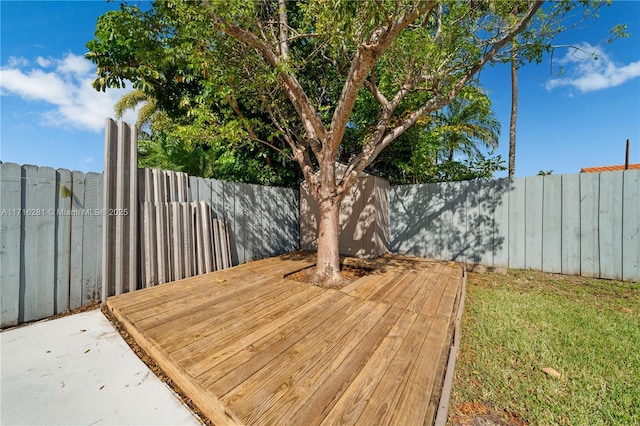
120 220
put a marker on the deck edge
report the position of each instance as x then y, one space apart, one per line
209 405
442 414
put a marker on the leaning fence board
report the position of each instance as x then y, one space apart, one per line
187 239
90 239
10 242
120 230
175 236
228 195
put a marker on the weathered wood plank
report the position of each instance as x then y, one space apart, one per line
251 399
108 200
269 333
353 401
413 405
317 395
221 377
383 400
90 289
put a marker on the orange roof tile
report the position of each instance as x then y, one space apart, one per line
608 168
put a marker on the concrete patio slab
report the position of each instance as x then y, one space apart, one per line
78 370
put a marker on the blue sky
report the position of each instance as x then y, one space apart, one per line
50 115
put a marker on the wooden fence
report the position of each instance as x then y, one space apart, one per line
178 239
50 241
582 224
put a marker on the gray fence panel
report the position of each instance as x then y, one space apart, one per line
294 222
91 239
29 279
270 204
517 207
263 217
631 226
290 212
63 232
589 208
574 224
610 224
439 223
11 183
500 240
205 190
399 198
76 249
228 190
552 224
456 196
252 226
240 219
217 198
533 222
570 224
46 198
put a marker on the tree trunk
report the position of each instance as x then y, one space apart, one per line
328 261
514 113
327 273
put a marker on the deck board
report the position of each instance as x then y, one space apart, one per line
248 346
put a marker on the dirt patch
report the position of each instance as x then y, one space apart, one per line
84 308
349 274
478 414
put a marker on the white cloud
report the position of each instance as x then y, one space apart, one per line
17 61
76 65
43 62
589 68
65 85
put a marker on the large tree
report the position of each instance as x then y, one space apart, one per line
307 65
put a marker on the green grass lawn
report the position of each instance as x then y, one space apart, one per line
514 325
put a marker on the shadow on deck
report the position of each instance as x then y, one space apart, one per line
250 347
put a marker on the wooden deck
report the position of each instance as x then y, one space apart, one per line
250 347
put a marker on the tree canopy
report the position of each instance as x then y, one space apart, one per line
295 75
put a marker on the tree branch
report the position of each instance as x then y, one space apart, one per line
366 56
312 124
